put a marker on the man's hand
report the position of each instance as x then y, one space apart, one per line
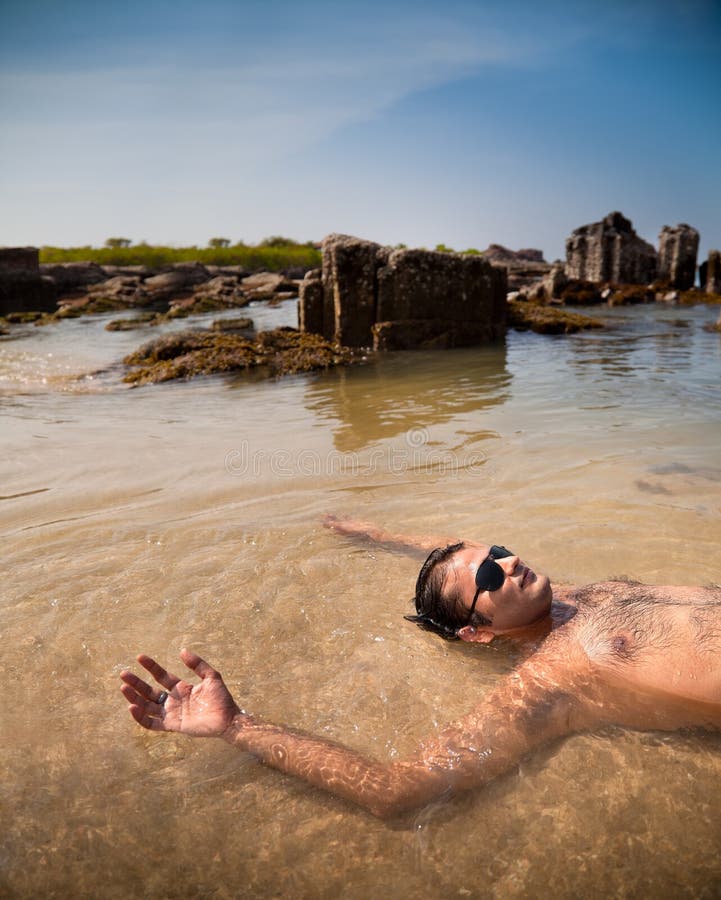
200 710
358 528
353 527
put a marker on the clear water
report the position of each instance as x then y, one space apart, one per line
188 515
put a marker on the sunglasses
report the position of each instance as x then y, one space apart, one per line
489 575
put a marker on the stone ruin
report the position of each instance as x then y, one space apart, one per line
710 273
367 295
677 252
22 287
610 251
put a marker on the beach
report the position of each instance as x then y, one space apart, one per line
189 514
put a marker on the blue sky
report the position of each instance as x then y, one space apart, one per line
462 123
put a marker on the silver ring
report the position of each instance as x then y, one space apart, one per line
162 698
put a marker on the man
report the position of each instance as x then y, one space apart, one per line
645 657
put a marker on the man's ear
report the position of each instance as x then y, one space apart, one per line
473 634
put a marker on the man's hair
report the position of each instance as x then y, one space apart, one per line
438 609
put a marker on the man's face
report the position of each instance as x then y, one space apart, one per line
523 598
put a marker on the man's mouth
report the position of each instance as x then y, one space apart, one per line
529 576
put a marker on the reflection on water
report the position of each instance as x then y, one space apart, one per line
406 392
188 515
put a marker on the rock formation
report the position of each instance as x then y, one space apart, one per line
22 287
524 267
369 295
610 250
711 275
677 251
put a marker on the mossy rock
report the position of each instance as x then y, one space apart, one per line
623 294
581 293
694 296
238 323
526 316
16 318
201 304
139 321
283 351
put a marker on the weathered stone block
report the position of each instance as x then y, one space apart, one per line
349 288
26 292
19 259
677 251
420 284
70 276
310 304
713 272
610 250
458 299
430 334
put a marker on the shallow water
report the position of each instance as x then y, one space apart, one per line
188 514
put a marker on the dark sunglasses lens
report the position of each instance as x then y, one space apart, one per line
489 576
497 552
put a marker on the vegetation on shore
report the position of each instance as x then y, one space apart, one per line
272 254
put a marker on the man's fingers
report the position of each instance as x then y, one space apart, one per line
161 675
141 688
142 718
198 665
136 698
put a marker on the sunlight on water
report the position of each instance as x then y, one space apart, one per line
188 514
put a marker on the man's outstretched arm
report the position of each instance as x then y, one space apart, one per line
359 528
521 714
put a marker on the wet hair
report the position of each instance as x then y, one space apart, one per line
440 607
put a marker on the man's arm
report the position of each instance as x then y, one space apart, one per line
524 712
363 530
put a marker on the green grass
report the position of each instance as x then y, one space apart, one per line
273 255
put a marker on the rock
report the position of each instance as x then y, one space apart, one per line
548 288
265 285
70 276
429 334
140 321
190 353
610 250
22 287
238 323
712 281
123 288
310 303
139 271
373 295
677 251
226 289
524 267
547 320
622 294
176 281
26 292
235 271
454 287
582 293
19 259
350 289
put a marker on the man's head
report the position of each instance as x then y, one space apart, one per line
508 595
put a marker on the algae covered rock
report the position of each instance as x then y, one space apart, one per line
524 316
282 351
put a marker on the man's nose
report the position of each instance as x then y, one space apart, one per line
509 564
